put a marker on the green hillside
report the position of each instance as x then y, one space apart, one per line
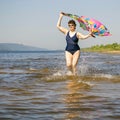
102 48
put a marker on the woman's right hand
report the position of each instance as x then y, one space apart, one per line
61 14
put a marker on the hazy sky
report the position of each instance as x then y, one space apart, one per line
33 22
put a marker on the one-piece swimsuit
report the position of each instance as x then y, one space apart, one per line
72 43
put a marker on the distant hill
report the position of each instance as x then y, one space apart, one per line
108 47
18 47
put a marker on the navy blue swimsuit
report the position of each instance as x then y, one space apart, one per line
72 43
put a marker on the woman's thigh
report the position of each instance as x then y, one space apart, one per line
69 58
76 57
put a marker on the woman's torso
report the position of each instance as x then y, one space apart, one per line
72 42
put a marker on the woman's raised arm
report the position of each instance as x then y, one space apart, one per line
62 29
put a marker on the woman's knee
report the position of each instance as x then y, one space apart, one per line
74 65
69 65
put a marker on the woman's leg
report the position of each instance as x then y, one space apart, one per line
76 56
69 59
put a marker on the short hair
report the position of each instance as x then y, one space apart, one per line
72 22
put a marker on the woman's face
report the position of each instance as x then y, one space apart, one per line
71 27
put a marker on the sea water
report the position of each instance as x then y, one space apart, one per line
35 86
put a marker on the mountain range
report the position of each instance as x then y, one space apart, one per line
18 47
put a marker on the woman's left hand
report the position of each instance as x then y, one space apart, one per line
91 34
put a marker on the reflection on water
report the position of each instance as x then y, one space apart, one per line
35 86
73 97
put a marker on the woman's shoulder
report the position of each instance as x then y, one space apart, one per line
78 34
67 31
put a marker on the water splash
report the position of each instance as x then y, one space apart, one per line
58 73
109 76
83 69
86 83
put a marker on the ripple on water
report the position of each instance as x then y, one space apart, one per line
32 87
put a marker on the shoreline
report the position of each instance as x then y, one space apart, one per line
111 52
107 51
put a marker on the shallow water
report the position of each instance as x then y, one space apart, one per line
35 86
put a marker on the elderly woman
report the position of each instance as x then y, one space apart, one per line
72 51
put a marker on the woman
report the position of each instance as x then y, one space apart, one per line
72 51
